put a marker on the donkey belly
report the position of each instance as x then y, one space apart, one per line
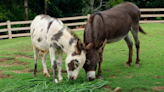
39 39
111 40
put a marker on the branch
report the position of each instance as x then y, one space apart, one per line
86 12
100 5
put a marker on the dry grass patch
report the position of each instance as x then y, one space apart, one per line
24 56
5 59
2 76
27 70
160 88
17 63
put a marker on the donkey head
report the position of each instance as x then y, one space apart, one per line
92 58
75 61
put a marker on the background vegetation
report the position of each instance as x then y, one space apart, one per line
17 65
13 10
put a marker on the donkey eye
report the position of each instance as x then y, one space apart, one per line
77 65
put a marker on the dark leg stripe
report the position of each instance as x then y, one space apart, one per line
54 69
35 70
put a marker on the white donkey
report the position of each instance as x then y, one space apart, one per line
50 35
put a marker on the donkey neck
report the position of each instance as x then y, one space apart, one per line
69 42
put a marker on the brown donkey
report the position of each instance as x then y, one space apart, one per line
107 27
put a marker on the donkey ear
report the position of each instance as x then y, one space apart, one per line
78 47
89 46
88 61
102 46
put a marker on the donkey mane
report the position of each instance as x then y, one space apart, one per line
79 41
91 19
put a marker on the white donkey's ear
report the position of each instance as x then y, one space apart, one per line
78 47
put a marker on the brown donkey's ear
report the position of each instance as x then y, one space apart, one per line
88 61
89 46
102 46
78 47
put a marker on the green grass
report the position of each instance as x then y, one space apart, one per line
149 77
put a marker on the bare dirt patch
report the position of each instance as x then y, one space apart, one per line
27 50
128 76
2 76
113 76
17 63
158 77
27 70
107 87
159 88
5 59
24 56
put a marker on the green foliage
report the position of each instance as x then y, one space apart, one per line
112 3
64 8
148 3
42 84
159 18
13 10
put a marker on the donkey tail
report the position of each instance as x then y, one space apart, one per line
141 30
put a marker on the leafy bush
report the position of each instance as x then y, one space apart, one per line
159 18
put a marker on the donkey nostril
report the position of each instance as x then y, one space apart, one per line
91 79
70 78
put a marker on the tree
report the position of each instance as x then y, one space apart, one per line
92 6
99 5
65 8
26 9
112 3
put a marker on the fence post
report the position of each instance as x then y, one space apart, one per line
88 16
9 29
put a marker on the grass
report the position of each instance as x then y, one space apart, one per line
17 64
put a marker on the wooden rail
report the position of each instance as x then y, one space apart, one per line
10 30
10 35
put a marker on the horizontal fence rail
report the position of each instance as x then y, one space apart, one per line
9 30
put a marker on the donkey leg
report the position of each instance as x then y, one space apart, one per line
59 65
44 59
100 62
135 29
36 57
130 46
53 63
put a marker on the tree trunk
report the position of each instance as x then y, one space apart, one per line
91 5
45 7
26 13
26 9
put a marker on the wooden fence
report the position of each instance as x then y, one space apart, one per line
10 35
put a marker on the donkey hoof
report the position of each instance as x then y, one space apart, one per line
55 81
127 65
98 76
34 75
60 81
46 75
137 65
